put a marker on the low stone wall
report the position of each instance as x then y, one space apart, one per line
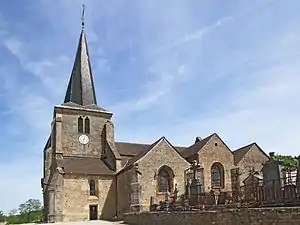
254 216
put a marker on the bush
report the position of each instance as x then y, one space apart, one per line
2 217
29 212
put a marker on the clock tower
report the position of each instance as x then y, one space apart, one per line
80 127
81 140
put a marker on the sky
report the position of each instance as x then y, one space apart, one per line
173 68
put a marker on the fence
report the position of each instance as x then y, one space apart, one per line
277 192
280 192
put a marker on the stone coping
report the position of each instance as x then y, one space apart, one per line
196 211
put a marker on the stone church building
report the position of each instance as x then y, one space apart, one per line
89 175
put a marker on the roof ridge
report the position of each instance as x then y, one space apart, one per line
203 140
240 153
245 146
78 157
134 159
133 143
196 147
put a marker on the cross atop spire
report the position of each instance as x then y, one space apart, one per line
81 88
82 17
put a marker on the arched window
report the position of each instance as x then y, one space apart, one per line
217 175
87 125
165 180
92 188
80 125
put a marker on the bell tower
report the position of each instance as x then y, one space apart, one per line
81 131
79 126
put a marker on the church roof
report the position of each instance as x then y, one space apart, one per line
138 151
133 149
85 165
132 160
193 149
81 90
241 152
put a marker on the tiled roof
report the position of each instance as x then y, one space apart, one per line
85 165
133 149
241 152
193 149
132 160
140 151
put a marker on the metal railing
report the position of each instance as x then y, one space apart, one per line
278 192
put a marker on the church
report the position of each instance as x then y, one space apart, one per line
89 175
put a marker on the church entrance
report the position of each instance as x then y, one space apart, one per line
93 212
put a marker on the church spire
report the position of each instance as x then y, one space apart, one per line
81 88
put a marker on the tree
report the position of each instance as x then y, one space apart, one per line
13 212
2 216
289 162
30 211
31 205
12 217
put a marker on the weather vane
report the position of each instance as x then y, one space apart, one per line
82 16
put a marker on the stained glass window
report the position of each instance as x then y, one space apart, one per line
217 175
92 188
164 181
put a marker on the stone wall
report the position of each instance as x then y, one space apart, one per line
77 198
66 130
215 151
253 159
260 216
162 154
123 192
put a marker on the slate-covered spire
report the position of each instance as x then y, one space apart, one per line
81 88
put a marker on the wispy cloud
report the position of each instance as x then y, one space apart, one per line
50 70
197 35
14 45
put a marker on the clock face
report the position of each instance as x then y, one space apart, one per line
83 139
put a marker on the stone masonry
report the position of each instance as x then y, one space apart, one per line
77 197
254 159
162 154
260 216
216 151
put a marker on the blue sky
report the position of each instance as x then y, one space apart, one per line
170 68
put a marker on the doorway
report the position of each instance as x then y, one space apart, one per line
93 212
